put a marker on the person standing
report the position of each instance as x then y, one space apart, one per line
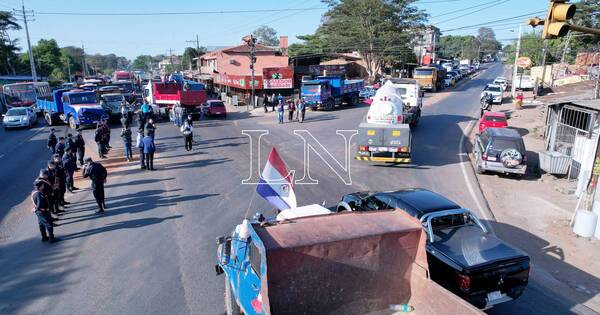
150 128
149 149
266 102
273 101
80 145
99 138
52 177
41 208
187 130
47 189
106 134
291 109
61 176
140 145
126 136
97 174
301 110
280 110
70 144
52 141
60 146
70 166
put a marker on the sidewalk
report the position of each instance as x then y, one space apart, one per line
534 213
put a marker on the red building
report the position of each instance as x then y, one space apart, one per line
229 68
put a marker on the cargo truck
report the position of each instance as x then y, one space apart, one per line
343 263
74 107
430 78
328 91
190 95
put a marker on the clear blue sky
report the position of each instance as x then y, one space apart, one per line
130 36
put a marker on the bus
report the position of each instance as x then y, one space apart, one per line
24 94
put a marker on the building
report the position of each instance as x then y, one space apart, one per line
173 60
427 43
228 70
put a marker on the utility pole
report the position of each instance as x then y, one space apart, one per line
433 50
28 14
514 85
83 63
544 53
197 41
252 44
69 69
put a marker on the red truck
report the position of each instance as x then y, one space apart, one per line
191 95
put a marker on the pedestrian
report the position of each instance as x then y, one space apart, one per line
53 179
44 181
190 119
149 149
301 109
178 115
280 110
126 136
140 145
150 128
99 138
296 103
60 146
97 174
80 145
52 141
266 102
41 208
106 133
61 177
273 101
291 109
70 166
145 109
187 130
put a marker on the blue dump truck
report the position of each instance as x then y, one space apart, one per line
328 91
74 107
339 263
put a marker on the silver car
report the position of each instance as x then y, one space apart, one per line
19 117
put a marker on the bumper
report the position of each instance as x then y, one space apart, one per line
389 157
500 168
15 124
384 159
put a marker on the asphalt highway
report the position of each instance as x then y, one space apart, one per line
154 250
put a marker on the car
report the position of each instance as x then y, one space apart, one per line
463 256
367 92
495 90
492 120
502 82
523 82
449 80
456 74
19 117
214 108
111 103
500 150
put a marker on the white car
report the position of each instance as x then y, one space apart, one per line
19 117
495 90
502 82
524 82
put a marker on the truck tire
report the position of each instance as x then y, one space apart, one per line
355 100
329 105
231 306
72 123
49 119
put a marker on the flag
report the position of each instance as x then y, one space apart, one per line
275 184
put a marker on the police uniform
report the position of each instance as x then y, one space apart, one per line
97 174
42 211
80 145
52 141
70 165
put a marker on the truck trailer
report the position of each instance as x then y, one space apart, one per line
328 91
190 95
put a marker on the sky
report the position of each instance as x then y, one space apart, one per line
130 36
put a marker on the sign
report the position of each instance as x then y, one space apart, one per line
523 62
278 78
238 81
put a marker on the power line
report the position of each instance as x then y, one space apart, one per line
471 12
463 9
492 22
176 13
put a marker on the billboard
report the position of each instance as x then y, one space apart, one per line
278 78
237 81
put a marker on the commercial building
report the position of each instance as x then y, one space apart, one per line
427 43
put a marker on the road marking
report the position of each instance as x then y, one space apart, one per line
462 155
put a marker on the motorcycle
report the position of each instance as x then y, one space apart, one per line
486 103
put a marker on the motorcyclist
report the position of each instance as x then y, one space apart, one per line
486 102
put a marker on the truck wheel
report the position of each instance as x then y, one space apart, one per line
329 105
72 123
231 306
434 89
49 120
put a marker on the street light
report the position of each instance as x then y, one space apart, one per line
251 41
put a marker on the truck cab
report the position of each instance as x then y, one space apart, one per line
74 107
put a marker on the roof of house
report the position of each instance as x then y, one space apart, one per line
244 48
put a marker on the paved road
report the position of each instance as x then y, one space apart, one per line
154 250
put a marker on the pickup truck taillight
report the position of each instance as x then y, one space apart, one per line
463 281
484 157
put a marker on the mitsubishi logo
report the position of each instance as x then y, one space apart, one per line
501 282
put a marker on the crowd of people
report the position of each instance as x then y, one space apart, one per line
296 108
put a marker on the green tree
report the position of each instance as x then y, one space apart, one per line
9 59
461 47
311 44
189 54
46 55
532 46
72 57
143 62
266 35
380 30
487 40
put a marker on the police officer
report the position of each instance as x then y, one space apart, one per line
42 211
60 146
70 144
43 181
99 139
80 145
70 166
52 141
61 179
97 174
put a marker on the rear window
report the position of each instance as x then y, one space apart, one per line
217 104
423 71
493 89
495 118
503 144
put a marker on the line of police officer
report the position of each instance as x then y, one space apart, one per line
48 195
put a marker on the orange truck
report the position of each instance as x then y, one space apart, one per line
429 78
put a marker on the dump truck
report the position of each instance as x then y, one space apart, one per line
430 78
74 107
342 263
190 95
326 92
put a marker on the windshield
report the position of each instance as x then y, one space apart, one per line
495 118
19 95
16 112
423 71
493 89
112 98
82 98
311 89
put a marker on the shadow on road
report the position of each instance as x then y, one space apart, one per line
131 224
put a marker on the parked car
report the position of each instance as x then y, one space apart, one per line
367 92
500 150
214 108
496 92
19 117
449 80
456 74
524 82
492 120
463 256
502 82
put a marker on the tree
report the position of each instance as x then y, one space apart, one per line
189 54
46 55
311 44
532 46
461 47
266 35
143 62
380 30
9 58
487 39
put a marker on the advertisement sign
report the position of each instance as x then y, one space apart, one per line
238 81
278 78
523 62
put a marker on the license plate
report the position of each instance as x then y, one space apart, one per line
491 158
496 295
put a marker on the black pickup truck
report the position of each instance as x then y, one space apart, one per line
463 256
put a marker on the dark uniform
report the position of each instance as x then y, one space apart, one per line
42 211
70 145
97 174
52 141
59 149
60 181
44 185
99 138
80 145
70 165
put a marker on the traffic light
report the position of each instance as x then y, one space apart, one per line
536 21
556 24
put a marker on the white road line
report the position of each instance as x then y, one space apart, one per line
463 167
